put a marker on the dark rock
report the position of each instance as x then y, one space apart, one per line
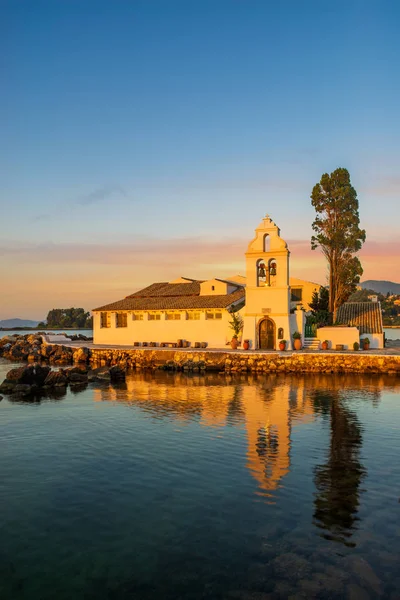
7 387
15 375
82 370
99 374
105 376
41 373
24 389
1 398
366 574
55 379
78 378
31 375
116 374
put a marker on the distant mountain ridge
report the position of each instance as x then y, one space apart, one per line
12 323
381 287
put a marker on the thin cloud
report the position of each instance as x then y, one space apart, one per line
100 194
104 192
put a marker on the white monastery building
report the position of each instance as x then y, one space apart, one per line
192 313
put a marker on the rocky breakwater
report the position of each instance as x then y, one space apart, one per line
312 363
33 348
38 380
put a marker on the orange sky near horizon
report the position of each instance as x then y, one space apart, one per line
37 278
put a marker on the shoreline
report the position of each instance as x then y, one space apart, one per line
46 329
33 349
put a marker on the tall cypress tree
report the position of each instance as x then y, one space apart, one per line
338 234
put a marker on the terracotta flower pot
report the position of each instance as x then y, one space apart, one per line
324 345
297 344
282 346
246 345
234 343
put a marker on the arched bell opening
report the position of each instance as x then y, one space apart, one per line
262 273
272 268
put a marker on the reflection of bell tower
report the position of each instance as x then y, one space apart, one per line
266 318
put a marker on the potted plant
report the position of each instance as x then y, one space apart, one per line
282 345
366 343
325 345
236 325
297 340
246 344
356 346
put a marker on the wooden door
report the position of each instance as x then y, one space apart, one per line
267 335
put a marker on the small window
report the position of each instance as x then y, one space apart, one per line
297 294
193 316
172 316
105 319
213 315
122 320
137 316
280 333
213 288
154 316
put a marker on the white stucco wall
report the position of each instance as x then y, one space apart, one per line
376 339
220 288
339 335
216 332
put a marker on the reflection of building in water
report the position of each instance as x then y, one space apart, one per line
268 411
270 414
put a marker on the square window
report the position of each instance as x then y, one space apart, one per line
105 319
154 316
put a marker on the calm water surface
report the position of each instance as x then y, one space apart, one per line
392 334
203 487
87 332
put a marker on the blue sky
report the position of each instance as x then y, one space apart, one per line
182 123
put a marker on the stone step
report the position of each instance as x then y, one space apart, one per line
312 343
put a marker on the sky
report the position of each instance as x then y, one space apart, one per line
145 140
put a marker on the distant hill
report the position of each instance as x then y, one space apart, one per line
12 323
383 287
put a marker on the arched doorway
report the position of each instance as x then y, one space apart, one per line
266 334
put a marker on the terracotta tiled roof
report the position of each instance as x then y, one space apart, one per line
367 316
173 296
168 289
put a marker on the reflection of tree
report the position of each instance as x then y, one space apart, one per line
338 480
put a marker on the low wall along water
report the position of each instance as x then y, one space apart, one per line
33 349
231 362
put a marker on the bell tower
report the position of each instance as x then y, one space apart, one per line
267 310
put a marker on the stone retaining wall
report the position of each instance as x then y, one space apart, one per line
252 362
32 348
